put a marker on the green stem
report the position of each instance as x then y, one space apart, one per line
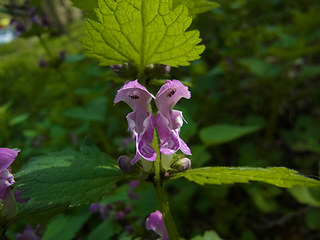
161 195
44 45
50 55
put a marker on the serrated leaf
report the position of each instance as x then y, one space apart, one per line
279 176
68 177
222 133
141 32
196 6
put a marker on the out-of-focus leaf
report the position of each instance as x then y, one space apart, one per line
141 32
196 6
313 219
64 227
222 133
105 230
304 195
93 111
119 194
279 176
305 136
87 6
19 119
209 235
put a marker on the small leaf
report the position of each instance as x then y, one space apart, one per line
68 177
141 32
222 133
279 176
196 6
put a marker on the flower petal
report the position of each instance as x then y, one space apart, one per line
7 156
134 94
169 94
155 222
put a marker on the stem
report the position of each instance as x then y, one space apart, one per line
166 213
50 55
44 45
161 195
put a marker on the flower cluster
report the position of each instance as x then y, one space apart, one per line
141 122
7 157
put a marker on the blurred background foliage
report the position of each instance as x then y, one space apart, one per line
255 102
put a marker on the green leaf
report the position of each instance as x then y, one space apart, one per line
68 177
119 194
279 176
141 32
196 6
87 6
208 235
65 227
94 110
105 230
304 195
222 133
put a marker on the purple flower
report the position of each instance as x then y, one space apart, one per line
45 21
42 63
124 163
7 157
18 197
140 121
28 234
170 121
155 222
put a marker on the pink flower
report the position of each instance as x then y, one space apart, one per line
7 157
140 121
155 222
168 121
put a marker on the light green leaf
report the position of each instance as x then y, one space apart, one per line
65 227
68 177
279 176
196 6
141 32
222 133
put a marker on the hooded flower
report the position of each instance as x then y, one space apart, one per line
7 156
170 121
140 121
155 222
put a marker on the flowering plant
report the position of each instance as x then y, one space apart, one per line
141 41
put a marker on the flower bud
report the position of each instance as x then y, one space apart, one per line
42 63
124 163
183 164
126 70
